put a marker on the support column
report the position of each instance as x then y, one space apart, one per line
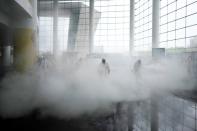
91 26
155 44
155 23
131 40
55 23
24 49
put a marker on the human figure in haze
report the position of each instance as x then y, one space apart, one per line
41 62
137 72
137 67
104 68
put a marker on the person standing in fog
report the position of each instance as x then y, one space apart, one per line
137 67
104 68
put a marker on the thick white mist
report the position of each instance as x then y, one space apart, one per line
70 89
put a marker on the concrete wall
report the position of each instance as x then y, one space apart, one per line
24 49
26 5
4 19
78 26
18 30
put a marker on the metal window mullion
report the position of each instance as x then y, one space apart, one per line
55 23
185 23
175 23
131 40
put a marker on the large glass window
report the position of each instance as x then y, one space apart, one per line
46 27
63 27
143 25
80 17
112 26
46 34
178 23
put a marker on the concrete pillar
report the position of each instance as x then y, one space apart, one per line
155 23
25 40
91 26
24 49
55 24
131 40
155 44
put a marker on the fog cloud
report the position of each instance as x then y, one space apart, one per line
68 89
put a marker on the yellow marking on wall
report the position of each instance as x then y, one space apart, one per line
24 49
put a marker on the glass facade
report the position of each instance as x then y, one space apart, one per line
63 33
81 25
143 25
178 23
112 26
178 29
45 34
46 28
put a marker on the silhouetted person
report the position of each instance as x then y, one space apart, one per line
137 67
104 68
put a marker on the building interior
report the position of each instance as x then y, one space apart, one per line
98 65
